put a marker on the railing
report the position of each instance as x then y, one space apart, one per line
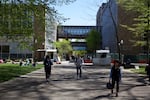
72 35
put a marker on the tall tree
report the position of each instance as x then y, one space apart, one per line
17 18
142 7
93 41
63 47
142 26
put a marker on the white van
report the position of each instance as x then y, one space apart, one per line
102 57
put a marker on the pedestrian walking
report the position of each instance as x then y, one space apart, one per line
78 66
47 67
21 62
147 69
115 76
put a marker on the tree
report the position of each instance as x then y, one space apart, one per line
93 41
142 7
142 26
63 47
79 52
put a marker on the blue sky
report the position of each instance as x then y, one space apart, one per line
81 12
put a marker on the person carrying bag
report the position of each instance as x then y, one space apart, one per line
115 76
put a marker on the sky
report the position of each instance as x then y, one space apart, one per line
80 12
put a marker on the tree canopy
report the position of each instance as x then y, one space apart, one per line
93 40
142 7
17 16
63 47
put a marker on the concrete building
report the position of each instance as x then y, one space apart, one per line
105 25
50 38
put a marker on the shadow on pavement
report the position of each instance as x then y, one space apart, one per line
101 97
22 87
64 83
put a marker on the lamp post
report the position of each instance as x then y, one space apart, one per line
120 45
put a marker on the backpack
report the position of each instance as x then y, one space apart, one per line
48 63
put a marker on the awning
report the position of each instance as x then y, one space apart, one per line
40 50
47 50
51 50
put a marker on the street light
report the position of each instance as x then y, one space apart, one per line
120 45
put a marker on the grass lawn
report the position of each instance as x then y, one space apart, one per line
141 70
9 71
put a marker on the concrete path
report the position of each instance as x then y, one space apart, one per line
65 86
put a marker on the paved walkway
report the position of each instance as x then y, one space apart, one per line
65 86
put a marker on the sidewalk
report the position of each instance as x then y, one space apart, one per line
65 86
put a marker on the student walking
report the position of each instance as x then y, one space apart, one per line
115 76
47 67
78 66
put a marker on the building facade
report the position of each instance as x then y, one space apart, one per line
105 20
75 34
109 33
39 42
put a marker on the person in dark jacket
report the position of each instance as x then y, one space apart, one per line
78 66
115 76
47 67
147 69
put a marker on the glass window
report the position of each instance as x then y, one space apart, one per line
4 49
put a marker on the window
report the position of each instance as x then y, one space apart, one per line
4 49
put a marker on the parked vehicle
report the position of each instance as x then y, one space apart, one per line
1 61
102 57
88 60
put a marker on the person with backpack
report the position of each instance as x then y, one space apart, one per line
115 76
47 67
